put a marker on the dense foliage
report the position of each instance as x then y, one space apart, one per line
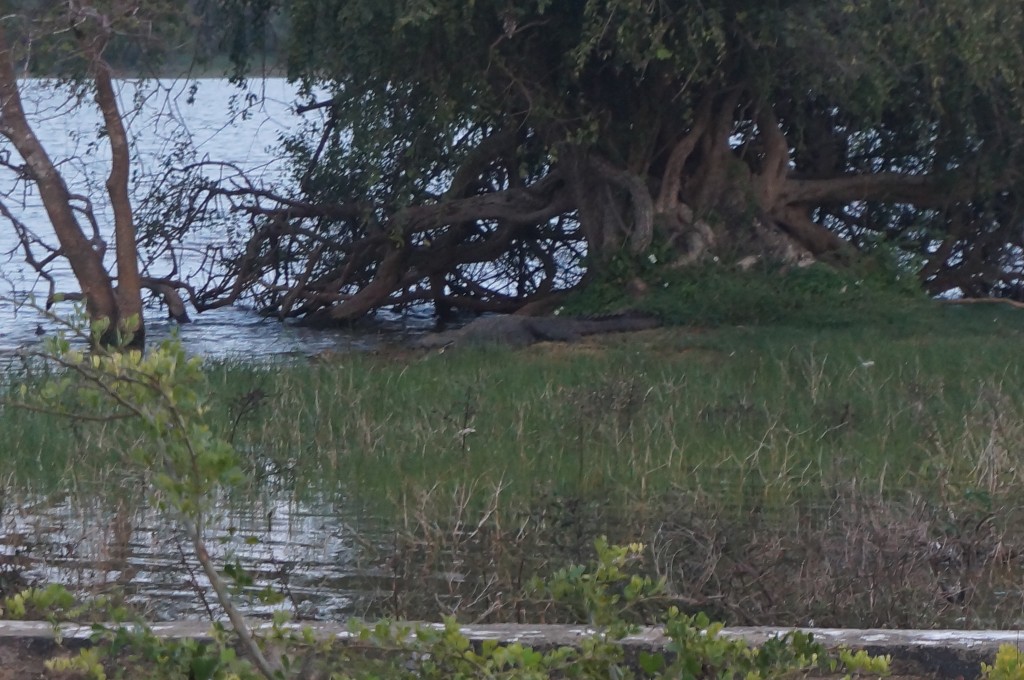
485 154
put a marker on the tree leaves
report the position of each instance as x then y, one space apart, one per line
743 117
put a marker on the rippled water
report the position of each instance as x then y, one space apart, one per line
223 127
312 546
313 552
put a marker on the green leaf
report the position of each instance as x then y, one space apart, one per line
651 664
203 667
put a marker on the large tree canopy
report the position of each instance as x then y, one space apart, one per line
484 154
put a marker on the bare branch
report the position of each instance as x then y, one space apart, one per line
923 191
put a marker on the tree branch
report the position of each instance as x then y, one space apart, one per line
923 191
642 233
672 177
776 156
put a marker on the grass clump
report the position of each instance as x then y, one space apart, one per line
713 293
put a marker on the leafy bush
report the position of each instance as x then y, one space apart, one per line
1008 665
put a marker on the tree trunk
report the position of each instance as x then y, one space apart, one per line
701 200
118 310
129 284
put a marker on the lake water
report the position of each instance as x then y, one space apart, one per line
312 551
224 125
312 545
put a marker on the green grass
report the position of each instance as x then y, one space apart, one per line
731 408
818 457
870 289
784 409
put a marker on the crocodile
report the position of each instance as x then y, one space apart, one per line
510 330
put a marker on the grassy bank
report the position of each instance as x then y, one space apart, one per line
850 474
756 414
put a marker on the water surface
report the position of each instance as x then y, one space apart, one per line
223 124
312 548
318 553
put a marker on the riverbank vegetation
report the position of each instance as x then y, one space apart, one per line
156 409
605 593
809 440
563 141
548 141
861 473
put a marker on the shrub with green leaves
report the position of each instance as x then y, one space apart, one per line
1008 665
159 402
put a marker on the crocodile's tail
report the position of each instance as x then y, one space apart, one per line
620 322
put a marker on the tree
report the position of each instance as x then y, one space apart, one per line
72 41
485 154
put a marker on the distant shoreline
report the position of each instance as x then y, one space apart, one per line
219 69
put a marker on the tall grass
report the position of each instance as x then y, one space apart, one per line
783 410
775 411
780 472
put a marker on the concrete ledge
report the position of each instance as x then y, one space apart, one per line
928 653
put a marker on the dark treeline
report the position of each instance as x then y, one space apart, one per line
173 39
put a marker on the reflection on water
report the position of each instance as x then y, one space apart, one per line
318 551
312 551
233 333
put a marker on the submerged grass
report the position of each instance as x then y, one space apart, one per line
780 473
784 409
780 409
857 475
